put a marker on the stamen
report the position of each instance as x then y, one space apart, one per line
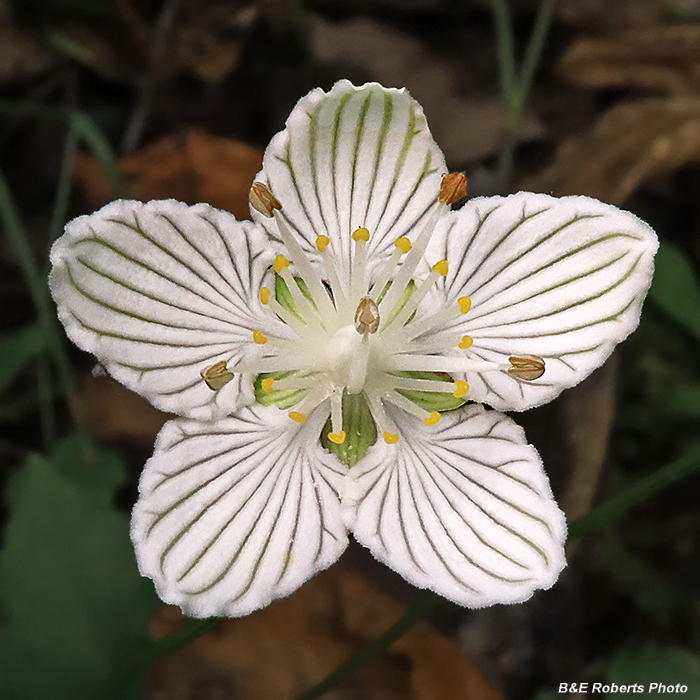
358 284
259 337
266 385
461 390
264 295
411 262
401 247
280 263
527 367
407 405
438 270
441 268
433 419
380 417
297 416
337 412
308 404
305 269
453 188
322 243
307 312
337 438
217 376
415 384
441 363
413 330
466 342
366 316
403 244
263 200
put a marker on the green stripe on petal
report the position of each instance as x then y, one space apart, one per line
353 157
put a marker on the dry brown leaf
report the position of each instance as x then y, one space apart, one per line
660 59
197 168
465 129
292 644
630 144
114 414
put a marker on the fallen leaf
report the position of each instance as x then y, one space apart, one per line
197 168
114 414
295 642
466 129
660 59
630 144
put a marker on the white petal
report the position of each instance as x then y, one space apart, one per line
234 514
563 279
464 509
353 157
159 292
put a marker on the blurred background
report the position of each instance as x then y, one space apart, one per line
178 98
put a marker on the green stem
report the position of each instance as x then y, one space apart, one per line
415 612
38 289
506 51
65 180
515 85
533 52
636 493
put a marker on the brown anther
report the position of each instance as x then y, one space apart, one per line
263 200
453 188
217 375
367 316
527 367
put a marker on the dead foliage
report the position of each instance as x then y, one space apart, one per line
630 144
196 167
662 59
295 642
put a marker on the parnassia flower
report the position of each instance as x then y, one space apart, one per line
329 360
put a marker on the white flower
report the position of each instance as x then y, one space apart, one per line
364 306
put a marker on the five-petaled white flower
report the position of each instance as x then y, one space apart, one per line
312 354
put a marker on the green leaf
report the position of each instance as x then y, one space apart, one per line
74 609
359 427
684 401
675 288
17 350
652 664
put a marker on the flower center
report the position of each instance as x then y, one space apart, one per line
358 344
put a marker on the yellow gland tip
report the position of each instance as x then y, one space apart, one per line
461 390
280 263
466 342
465 303
360 234
441 268
266 385
403 244
264 295
337 438
322 242
390 438
298 417
432 419
259 337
